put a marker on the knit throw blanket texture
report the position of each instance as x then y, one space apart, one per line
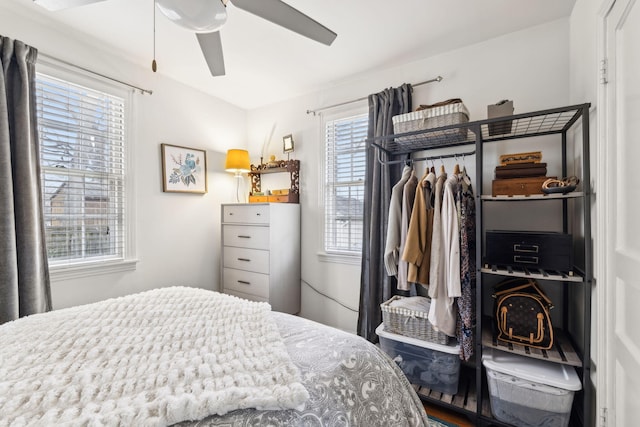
149 359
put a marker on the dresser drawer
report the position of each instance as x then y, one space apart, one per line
254 237
247 282
246 259
247 214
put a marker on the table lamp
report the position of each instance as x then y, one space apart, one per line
238 163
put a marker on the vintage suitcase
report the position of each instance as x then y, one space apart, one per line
515 158
521 170
537 249
518 186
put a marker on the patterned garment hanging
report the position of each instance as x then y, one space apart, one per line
466 303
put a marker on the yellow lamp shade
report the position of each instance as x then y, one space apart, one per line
237 161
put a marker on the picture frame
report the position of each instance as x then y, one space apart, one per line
184 169
287 144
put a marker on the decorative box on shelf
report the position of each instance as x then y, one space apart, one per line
290 195
518 186
536 249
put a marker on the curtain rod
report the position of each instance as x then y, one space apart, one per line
314 112
142 91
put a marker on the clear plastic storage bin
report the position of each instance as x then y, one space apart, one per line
428 364
528 392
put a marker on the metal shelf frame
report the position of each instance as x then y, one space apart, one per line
556 121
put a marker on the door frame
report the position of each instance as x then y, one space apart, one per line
602 250
605 204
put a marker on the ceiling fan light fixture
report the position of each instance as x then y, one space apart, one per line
55 5
200 16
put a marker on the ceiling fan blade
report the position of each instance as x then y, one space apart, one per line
286 16
54 5
211 46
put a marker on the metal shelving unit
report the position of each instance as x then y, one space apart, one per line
472 398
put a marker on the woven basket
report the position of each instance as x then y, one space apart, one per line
410 323
432 118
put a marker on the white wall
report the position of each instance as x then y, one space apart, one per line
530 67
178 234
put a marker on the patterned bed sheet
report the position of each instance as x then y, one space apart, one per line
351 382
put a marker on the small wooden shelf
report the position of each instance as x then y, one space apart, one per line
532 273
562 351
282 166
266 170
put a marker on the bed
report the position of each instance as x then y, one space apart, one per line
192 357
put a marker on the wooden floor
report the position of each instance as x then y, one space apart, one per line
448 416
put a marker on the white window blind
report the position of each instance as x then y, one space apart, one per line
344 184
82 155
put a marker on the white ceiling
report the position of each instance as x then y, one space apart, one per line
266 63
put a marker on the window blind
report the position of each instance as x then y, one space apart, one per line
344 184
83 165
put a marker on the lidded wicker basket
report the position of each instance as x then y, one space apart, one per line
434 116
410 323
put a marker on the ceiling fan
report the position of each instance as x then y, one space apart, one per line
206 17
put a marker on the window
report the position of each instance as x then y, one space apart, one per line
83 161
344 184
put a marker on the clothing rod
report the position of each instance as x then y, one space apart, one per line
423 159
314 112
53 58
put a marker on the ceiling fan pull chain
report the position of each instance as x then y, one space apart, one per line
154 65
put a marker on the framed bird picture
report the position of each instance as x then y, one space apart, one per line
184 169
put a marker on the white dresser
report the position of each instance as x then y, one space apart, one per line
261 253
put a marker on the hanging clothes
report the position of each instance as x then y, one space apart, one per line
443 311
417 249
466 305
436 272
408 197
392 246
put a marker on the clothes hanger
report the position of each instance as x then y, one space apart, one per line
456 168
465 176
442 171
408 163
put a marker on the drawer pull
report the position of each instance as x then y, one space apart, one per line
244 282
525 248
525 259
244 259
244 237
258 214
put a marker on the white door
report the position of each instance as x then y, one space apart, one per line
620 190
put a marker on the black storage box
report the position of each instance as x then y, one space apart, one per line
534 249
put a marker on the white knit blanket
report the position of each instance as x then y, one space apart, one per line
149 359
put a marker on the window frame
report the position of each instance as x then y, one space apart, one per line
128 261
342 257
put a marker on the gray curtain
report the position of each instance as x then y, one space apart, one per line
375 286
24 272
